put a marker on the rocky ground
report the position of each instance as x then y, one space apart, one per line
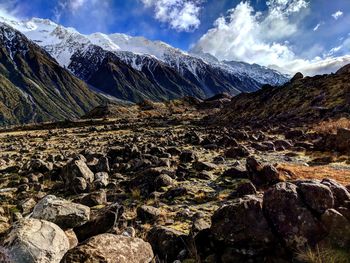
166 190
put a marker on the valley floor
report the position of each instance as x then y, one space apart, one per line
181 170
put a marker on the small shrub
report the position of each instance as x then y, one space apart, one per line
136 194
324 255
327 127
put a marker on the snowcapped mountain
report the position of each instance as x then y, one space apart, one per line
204 72
34 87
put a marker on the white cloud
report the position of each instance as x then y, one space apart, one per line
317 27
71 6
87 14
76 4
253 37
337 14
9 9
182 15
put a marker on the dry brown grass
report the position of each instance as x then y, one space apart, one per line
332 126
324 255
317 172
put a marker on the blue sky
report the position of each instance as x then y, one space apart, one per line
277 33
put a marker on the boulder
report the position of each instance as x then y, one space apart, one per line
261 174
94 198
72 238
148 213
338 228
110 248
242 224
340 193
77 176
204 166
100 223
236 172
103 165
245 188
64 213
253 166
166 243
33 240
290 217
40 166
163 180
316 196
237 152
101 180
188 157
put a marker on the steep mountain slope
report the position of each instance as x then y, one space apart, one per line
33 87
106 71
173 72
301 100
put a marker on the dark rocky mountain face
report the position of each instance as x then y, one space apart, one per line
33 87
153 79
105 71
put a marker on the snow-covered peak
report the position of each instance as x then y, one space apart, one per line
62 43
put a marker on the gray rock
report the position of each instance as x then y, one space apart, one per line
242 223
245 188
77 171
101 180
340 193
290 217
188 157
61 212
148 213
163 180
109 248
338 228
316 195
166 243
33 240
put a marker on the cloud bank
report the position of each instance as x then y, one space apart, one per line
181 15
254 37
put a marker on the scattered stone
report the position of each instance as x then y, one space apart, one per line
110 248
94 199
166 243
245 188
204 166
316 195
61 212
338 228
290 218
163 180
243 223
148 213
188 157
100 223
237 152
101 180
340 193
33 240
77 176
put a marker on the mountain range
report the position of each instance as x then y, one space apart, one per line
115 66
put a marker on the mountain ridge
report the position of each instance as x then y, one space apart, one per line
301 100
34 88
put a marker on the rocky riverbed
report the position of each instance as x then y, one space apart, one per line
166 191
